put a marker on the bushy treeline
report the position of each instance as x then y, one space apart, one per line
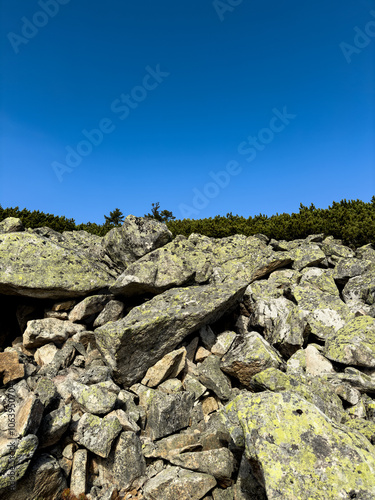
35 218
351 221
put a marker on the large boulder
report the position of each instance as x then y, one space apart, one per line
135 343
136 237
37 266
295 449
354 343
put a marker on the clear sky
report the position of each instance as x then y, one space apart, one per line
206 106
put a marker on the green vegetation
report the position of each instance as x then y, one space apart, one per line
351 221
163 216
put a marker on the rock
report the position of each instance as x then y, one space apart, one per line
169 366
296 449
43 331
28 416
15 460
209 405
10 367
306 255
201 354
45 269
96 398
88 306
361 289
126 466
211 376
46 391
127 423
171 266
223 343
315 390
248 356
353 344
97 434
135 238
11 225
54 425
63 306
192 384
327 312
174 482
167 413
247 486
284 324
357 379
134 344
44 479
207 337
45 354
171 386
112 311
316 364
218 463
321 279
79 469
365 427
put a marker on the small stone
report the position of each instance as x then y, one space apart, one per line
201 354
63 306
78 477
43 331
45 354
54 425
95 398
10 367
209 405
112 311
213 378
87 307
97 434
223 343
168 367
171 386
193 385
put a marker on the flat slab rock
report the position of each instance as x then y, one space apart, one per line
174 482
135 343
35 266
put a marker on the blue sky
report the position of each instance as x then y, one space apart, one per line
207 107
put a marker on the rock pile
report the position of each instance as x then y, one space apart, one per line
137 366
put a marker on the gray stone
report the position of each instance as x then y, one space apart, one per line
354 343
36 266
167 413
54 425
211 376
174 482
88 306
44 480
11 225
248 356
43 331
218 463
308 456
79 470
112 311
126 465
134 344
97 434
135 238
95 398
16 455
